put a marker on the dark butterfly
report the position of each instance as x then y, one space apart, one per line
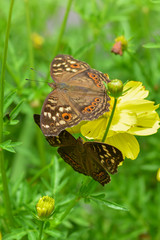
93 159
78 94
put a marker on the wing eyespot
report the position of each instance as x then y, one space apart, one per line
67 116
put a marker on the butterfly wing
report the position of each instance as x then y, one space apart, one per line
63 139
63 67
79 94
107 156
82 161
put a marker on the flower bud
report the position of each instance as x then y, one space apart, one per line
120 45
115 88
158 175
45 207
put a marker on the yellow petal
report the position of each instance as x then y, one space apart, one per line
76 128
135 90
126 143
95 129
122 121
138 106
147 124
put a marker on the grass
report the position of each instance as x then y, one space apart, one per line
128 207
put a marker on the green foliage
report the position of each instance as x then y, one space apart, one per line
128 207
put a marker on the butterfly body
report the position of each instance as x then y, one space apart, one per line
78 94
93 159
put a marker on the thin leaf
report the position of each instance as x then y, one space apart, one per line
15 234
109 204
151 45
8 145
16 110
8 100
82 50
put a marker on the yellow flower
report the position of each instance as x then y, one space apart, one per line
134 115
37 40
45 207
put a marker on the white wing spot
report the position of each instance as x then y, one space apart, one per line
57 73
57 114
74 70
61 109
49 115
54 118
68 108
68 69
45 126
62 122
45 114
58 58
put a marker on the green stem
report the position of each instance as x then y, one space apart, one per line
2 84
41 230
110 120
30 46
62 29
68 209
147 77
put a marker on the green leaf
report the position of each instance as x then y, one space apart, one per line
15 234
54 233
82 50
151 45
32 235
8 145
8 100
99 198
16 110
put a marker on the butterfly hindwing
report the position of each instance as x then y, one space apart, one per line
107 156
63 139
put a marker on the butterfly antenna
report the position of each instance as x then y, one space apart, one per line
39 73
28 79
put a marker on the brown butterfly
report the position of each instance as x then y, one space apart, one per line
78 94
93 159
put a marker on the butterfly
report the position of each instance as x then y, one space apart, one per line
93 159
78 94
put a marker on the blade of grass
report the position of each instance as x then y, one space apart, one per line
62 29
7 201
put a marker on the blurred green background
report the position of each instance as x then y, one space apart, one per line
35 169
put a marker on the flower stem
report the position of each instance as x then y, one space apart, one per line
41 230
147 77
7 201
30 47
62 29
110 120
68 209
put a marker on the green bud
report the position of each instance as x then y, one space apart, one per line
115 88
45 207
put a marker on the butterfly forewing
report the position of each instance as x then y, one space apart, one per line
64 67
